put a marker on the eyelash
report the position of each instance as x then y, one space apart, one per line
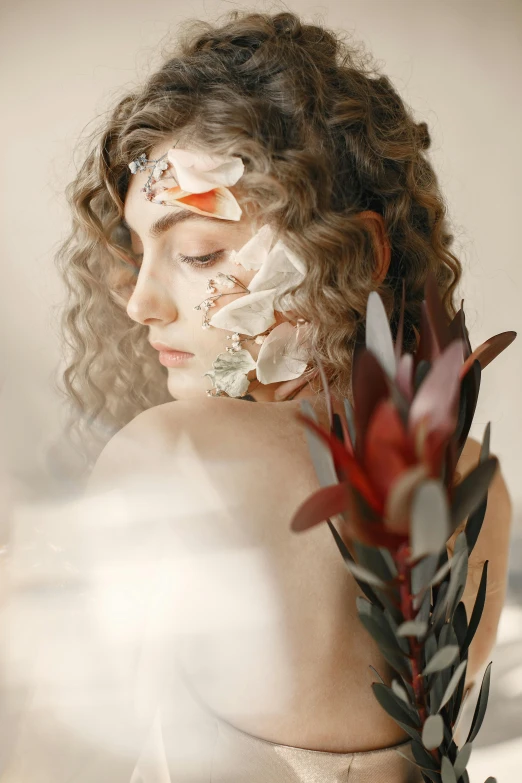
200 261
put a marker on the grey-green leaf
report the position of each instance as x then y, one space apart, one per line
399 691
348 411
486 439
442 659
429 519
371 558
459 574
478 607
447 771
462 759
394 706
457 674
364 574
433 732
480 708
412 628
321 458
379 340
472 489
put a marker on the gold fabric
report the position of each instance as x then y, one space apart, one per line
242 758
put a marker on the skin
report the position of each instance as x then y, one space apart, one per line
233 442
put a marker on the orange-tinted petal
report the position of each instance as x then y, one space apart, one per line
218 203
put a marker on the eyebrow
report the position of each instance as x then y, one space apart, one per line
165 222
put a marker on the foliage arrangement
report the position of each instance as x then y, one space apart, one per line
387 470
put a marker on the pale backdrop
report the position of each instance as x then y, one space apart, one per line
457 62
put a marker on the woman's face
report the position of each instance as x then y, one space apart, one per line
172 281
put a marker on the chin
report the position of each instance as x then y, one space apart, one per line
188 390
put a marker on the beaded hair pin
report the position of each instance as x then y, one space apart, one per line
200 182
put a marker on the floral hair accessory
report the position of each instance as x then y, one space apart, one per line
281 357
199 182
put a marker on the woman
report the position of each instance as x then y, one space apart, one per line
265 178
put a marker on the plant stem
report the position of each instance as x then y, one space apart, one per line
417 680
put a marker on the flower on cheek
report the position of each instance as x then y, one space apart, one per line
278 270
281 356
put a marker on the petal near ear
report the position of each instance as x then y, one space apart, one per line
280 358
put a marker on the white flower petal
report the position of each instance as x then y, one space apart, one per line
379 339
278 271
230 370
280 357
248 314
254 252
198 172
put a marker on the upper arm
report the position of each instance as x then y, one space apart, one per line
492 545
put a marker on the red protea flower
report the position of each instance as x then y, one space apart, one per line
411 417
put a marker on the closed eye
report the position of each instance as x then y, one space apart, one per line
207 260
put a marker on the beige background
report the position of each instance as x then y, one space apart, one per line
459 65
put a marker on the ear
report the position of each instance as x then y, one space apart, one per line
376 225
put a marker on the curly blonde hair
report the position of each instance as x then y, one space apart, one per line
323 136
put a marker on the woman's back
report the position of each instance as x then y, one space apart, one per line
255 458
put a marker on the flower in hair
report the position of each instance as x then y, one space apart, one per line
199 182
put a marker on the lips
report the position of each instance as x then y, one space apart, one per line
163 347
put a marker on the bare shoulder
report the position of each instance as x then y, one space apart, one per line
214 429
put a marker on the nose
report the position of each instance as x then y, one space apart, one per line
151 300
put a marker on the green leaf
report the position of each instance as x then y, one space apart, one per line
491 780
471 491
423 758
447 771
486 439
359 572
400 691
459 573
461 762
378 334
439 612
377 625
455 677
377 673
321 458
441 573
478 607
371 558
460 625
347 557
429 519
422 573
412 628
474 524
442 658
348 411
414 733
480 708
433 732
394 706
